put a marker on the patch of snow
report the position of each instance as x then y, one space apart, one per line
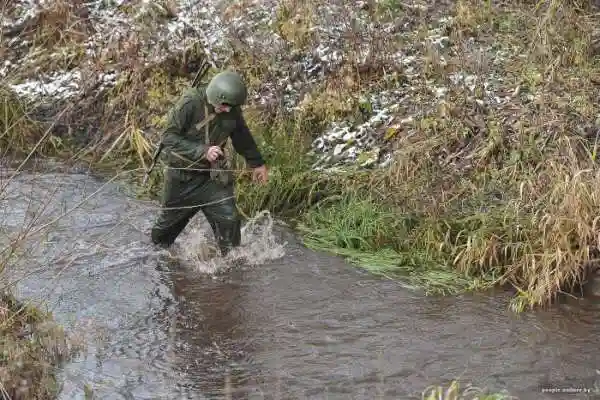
59 85
342 30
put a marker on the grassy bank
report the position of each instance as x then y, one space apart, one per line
480 192
476 195
32 345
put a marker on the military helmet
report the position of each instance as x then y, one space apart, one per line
226 87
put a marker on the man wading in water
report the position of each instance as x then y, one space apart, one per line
197 178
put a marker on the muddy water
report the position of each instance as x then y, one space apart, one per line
286 323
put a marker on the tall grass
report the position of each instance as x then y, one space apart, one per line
14 118
475 196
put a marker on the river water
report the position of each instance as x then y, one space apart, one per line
282 322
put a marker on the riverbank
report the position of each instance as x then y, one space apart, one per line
467 153
33 347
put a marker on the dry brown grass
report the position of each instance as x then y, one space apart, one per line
296 22
538 156
53 40
454 391
32 348
60 23
122 119
15 117
507 192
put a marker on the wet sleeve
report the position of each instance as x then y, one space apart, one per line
244 144
179 121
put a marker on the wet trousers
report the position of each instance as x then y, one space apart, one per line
187 192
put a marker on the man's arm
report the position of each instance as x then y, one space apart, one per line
178 122
244 144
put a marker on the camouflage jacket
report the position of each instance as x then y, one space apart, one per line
184 137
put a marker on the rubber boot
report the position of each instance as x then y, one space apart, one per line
228 235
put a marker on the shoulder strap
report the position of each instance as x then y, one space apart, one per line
204 124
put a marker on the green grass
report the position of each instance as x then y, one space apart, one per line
370 234
291 183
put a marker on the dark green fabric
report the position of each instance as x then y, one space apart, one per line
186 194
184 144
227 87
187 190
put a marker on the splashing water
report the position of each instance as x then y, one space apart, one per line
196 248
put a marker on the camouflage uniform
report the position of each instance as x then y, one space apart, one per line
190 185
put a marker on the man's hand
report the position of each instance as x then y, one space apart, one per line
213 153
260 174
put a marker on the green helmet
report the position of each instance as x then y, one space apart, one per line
227 87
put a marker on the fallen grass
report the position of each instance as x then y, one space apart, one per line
373 236
479 193
455 392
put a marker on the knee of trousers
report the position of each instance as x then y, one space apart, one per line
227 213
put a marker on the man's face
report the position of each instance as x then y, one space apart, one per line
222 108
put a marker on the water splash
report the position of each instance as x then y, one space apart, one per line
196 248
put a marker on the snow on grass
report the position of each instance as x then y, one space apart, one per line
58 85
